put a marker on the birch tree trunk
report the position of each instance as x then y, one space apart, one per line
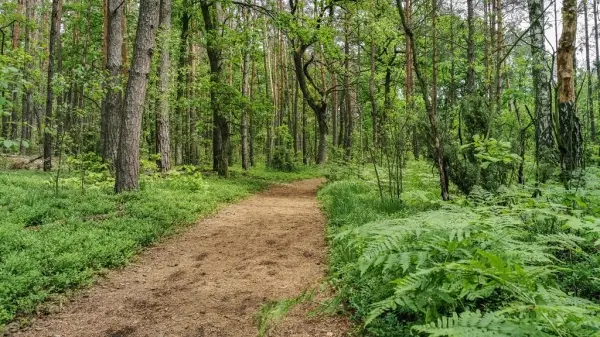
544 130
569 125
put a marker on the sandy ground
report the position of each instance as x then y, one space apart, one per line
213 278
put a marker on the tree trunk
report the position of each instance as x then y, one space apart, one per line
569 126
428 106
319 106
192 114
245 93
182 75
470 86
374 119
220 122
54 32
347 117
27 104
113 99
590 100
128 159
163 139
544 134
16 37
597 63
305 154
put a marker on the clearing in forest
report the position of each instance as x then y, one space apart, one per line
212 279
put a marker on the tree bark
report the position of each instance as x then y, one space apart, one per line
590 100
54 32
128 159
372 98
569 126
27 108
182 75
470 85
245 93
220 123
114 65
163 139
597 61
544 129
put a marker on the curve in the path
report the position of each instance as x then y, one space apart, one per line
211 280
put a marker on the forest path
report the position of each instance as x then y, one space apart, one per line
211 279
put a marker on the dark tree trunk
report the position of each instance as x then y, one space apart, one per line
597 61
113 99
220 122
128 159
54 32
163 139
305 154
182 75
27 108
245 93
319 106
470 86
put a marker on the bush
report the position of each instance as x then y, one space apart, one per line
493 264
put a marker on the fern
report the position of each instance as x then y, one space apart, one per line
470 324
503 264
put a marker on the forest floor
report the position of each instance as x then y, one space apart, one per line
213 278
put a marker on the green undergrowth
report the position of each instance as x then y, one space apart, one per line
53 242
489 264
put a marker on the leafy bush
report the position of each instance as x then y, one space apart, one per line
493 264
283 159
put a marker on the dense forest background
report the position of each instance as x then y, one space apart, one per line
474 86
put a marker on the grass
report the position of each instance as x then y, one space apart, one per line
52 242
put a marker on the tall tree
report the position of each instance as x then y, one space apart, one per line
221 127
588 66
597 61
163 139
569 125
48 118
128 159
315 95
27 102
114 63
544 135
437 143
245 92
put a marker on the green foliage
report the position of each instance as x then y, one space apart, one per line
491 264
271 313
283 158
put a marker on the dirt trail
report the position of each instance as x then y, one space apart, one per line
211 280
